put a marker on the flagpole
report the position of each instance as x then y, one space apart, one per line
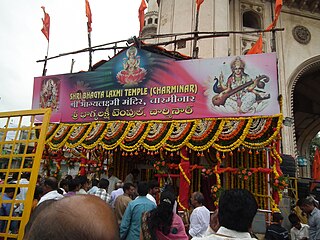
44 71
90 50
195 48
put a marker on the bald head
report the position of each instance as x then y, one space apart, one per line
84 217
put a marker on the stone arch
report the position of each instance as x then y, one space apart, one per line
303 93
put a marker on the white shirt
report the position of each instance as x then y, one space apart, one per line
50 195
199 221
115 194
22 194
225 233
297 234
151 198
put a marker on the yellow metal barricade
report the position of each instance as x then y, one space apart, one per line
21 145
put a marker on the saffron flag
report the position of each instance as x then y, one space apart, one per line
89 15
199 2
315 169
276 14
257 47
142 7
46 24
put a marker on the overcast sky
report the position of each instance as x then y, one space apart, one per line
23 43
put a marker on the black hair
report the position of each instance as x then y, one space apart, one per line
161 217
237 208
73 184
294 219
104 183
94 182
153 184
277 217
51 182
63 182
127 186
143 188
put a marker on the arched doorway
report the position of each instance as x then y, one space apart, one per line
305 102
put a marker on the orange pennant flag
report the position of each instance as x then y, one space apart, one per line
46 24
142 7
199 2
276 14
315 169
89 15
257 47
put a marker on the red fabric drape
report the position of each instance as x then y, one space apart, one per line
199 2
185 178
315 169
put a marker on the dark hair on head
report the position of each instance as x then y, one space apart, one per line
63 182
51 182
38 192
198 196
26 175
294 219
82 179
309 200
104 183
153 184
237 208
73 184
161 217
277 217
143 188
127 186
94 182
68 177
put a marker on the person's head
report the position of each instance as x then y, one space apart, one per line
154 188
110 172
64 184
9 191
129 189
38 192
68 177
161 217
277 217
73 185
25 175
104 183
84 182
295 220
197 199
143 188
50 184
237 208
61 221
94 182
306 204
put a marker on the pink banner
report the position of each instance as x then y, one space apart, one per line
139 85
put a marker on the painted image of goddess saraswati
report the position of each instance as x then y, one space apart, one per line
132 74
49 94
239 93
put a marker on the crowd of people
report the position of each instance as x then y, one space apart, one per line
79 208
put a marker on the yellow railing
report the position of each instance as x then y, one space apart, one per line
19 135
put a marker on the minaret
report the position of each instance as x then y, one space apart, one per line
150 19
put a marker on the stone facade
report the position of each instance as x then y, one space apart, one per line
296 46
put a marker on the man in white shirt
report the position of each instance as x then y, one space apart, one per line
50 190
237 208
116 193
112 180
200 216
154 189
299 230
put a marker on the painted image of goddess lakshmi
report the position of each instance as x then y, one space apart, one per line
239 93
132 74
49 94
